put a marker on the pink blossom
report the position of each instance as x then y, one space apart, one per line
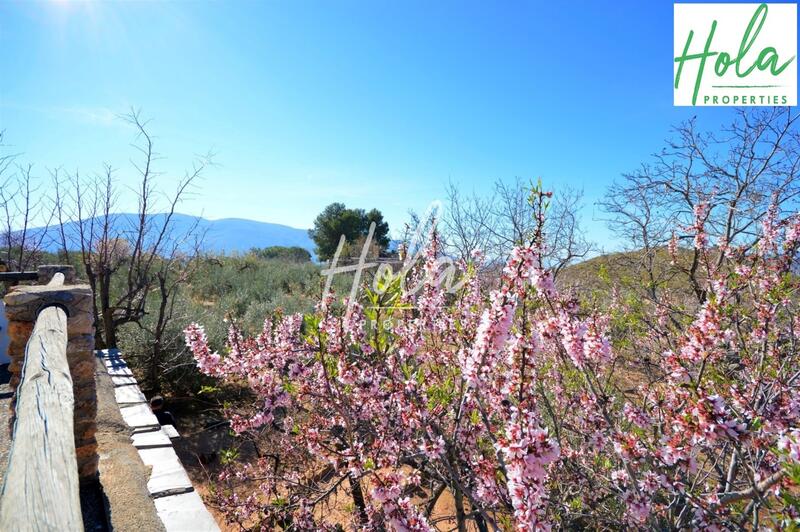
790 442
700 236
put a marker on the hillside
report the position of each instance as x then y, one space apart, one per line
227 235
622 269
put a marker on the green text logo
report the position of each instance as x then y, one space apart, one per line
735 54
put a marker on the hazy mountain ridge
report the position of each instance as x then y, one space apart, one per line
226 235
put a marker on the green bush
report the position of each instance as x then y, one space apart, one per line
246 288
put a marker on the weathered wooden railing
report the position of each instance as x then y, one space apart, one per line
41 489
18 276
53 446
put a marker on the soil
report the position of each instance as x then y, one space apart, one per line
204 433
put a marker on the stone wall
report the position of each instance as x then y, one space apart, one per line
23 304
3 335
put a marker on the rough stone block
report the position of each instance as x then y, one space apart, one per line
19 331
47 271
84 432
16 352
87 471
85 411
86 408
81 345
84 450
82 371
87 462
83 391
80 323
23 303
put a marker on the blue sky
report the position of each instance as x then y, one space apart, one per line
376 104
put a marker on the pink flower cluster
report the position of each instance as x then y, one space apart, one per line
528 450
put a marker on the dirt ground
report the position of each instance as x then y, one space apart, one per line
202 438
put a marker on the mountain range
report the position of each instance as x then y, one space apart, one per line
227 235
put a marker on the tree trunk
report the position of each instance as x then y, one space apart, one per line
480 522
461 517
358 499
107 313
158 334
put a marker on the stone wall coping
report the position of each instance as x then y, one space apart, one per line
46 272
23 303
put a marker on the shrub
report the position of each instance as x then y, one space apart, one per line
288 254
240 289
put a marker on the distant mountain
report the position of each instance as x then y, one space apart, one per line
228 235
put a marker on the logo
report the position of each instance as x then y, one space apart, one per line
735 54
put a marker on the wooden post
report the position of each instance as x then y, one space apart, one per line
41 489
23 304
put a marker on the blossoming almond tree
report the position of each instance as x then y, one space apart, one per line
511 403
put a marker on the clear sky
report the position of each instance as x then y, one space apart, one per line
372 103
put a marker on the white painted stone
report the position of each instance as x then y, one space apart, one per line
150 439
185 513
127 395
168 473
116 361
139 416
170 431
108 353
123 381
119 370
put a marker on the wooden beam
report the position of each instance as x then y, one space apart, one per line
41 489
57 280
10 277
